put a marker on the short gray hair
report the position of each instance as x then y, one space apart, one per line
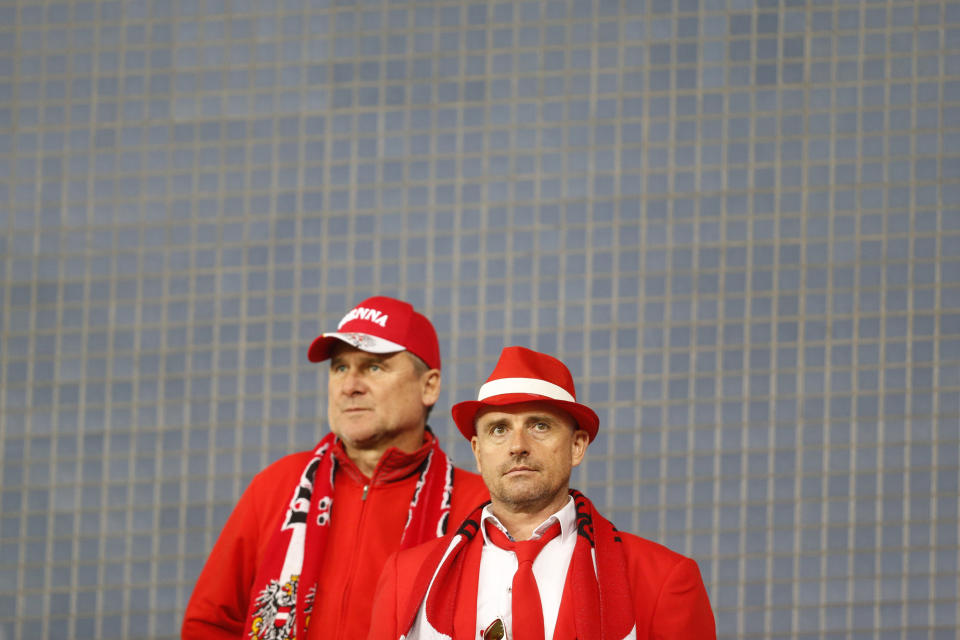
420 367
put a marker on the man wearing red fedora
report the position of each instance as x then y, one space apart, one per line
300 555
537 562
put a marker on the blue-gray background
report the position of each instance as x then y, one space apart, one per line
737 222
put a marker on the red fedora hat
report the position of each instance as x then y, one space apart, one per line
524 375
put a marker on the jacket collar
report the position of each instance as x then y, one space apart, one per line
394 464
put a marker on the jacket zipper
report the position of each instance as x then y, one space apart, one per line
353 567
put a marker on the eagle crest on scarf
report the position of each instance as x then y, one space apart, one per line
275 616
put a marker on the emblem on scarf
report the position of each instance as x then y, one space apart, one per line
278 603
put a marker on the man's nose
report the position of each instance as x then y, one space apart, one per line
352 383
519 444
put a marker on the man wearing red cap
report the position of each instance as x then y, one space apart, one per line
538 562
300 555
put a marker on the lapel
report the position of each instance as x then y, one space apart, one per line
465 620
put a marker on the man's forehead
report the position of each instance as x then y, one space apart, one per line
524 411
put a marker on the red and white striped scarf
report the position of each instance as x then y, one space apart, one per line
601 588
286 581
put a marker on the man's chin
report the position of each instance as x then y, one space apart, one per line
523 496
356 435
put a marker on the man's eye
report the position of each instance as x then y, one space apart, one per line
498 429
375 367
541 426
339 368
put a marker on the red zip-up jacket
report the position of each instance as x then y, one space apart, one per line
365 528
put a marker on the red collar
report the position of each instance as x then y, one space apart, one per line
394 465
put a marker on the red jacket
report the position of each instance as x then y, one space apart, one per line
363 533
670 601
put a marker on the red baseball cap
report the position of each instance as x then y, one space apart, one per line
524 375
382 325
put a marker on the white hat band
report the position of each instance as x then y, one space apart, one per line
534 386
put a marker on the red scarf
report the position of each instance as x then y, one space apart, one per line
600 587
287 579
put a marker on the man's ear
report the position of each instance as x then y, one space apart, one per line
475 444
430 387
579 445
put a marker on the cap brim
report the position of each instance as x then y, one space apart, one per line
321 347
464 413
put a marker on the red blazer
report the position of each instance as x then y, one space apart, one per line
670 600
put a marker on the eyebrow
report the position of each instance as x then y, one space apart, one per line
370 358
486 426
528 420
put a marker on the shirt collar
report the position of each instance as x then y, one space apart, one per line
566 516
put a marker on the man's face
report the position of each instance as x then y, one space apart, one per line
525 453
379 400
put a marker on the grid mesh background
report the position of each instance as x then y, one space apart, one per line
737 221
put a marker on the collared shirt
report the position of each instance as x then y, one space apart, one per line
497 567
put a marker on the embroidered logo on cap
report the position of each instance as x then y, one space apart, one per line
362 313
359 340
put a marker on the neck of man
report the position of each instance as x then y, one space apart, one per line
367 455
521 520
